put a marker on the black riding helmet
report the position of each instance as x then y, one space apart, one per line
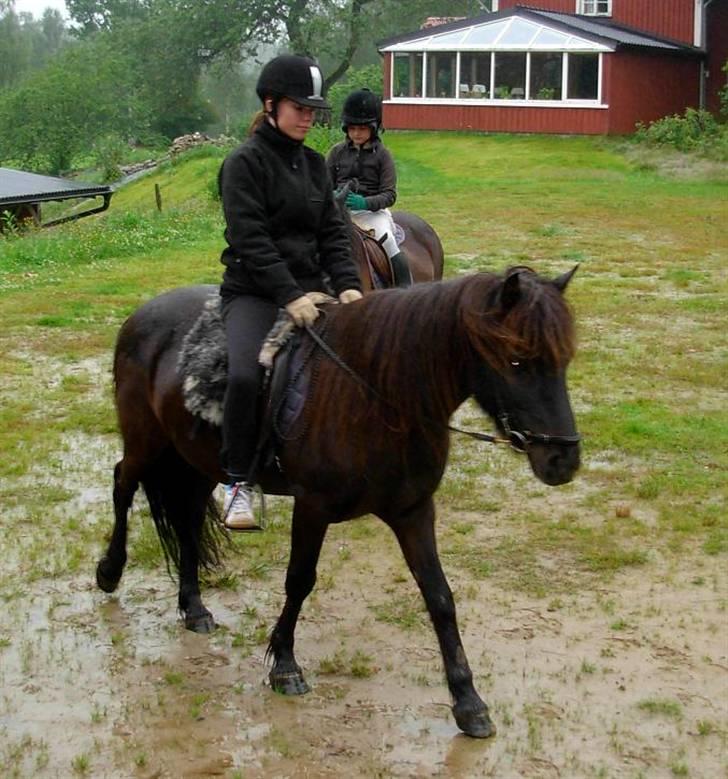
297 78
362 107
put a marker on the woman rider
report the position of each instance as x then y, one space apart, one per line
367 166
283 233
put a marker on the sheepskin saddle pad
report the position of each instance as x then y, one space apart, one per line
202 364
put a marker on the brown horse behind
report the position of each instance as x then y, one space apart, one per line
421 245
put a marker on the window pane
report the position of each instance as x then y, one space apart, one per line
546 72
441 75
583 76
485 35
519 33
594 7
475 75
510 75
407 75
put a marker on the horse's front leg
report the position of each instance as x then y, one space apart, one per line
307 535
415 532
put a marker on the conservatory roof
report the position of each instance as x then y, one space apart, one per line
526 29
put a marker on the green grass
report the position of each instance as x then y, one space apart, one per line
648 382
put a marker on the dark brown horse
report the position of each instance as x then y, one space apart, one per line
373 436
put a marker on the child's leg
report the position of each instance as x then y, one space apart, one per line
382 224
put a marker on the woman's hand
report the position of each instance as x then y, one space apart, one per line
349 296
302 311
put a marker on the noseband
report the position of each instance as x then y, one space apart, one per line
519 440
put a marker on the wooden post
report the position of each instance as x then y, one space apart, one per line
158 197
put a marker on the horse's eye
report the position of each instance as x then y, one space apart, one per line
515 363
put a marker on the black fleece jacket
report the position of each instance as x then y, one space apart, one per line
283 228
370 168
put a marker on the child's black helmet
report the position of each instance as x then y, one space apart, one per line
297 78
362 107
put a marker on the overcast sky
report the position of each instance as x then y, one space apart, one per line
36 7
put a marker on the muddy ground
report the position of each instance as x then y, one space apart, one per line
115 687
623 675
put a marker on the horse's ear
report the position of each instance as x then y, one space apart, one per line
510 291
562 282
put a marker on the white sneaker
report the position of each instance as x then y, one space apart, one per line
237 507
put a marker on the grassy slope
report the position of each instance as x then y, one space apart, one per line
648 383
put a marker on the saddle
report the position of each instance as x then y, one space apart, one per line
202 364
378 264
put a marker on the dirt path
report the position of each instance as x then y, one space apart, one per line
629 679
625 676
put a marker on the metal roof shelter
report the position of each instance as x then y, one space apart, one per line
19 188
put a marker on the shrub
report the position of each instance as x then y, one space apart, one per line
696 131
322 137
109 153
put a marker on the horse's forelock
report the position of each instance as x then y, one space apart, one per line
538 326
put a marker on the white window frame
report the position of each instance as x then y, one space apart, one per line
526 102
591 7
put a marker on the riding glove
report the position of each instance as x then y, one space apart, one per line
356 202
302 311
349 296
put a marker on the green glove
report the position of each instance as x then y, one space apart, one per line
356 202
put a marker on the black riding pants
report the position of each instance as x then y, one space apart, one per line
248 319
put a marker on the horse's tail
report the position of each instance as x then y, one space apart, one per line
184 511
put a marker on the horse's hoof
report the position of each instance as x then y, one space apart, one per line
106 581
200 623
288 683
476 723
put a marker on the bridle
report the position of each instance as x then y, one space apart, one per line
519 440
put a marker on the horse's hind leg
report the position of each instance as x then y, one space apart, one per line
111 566
190 534
307 536
416 535
179 500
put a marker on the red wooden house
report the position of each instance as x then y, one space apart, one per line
566 66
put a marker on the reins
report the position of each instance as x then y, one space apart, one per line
518 440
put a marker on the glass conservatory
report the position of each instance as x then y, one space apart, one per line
511 59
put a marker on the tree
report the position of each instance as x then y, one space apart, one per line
87 89
331 31
26 44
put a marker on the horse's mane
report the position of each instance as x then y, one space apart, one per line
414 347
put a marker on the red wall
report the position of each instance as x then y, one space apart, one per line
717 53
663 18
645 87
496 119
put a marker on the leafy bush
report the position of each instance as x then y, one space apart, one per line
724 96
696 131
109 153
322 137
